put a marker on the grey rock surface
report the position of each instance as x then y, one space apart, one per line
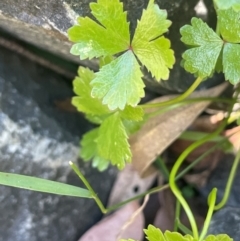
39 139
44 23
226 221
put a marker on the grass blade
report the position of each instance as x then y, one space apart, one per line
42 185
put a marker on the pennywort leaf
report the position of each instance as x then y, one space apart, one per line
84 102
151 49
229 25
109 37
206 46
223 4
119 83
209 52
112 141
231 62
42 185
89 150
98 145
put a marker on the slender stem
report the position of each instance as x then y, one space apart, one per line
197 135
88 186
229 182
195 162
190 100
191 89
149 192
177 215
174 171
212 201
183 228
162 167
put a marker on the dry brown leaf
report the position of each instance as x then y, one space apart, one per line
109 228
129 184
159 132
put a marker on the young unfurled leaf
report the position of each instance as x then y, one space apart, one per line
112 141
89 150
152 51
119 83
229 25
206 45
84 101
223 4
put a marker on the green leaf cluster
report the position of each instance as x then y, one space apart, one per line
209 51
155 234
119 82
108 142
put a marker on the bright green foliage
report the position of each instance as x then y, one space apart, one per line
113 141
108 143
90 150
42 185
220 237
223 4
206 45
209 52
155 234
152 51
231 62
132 114
109 38
119 83
229 25
84 102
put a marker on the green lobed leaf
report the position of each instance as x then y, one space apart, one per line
229 25
154 234
223 4
206 46
119 83
84 101
42 185
152 50
95 40
231 62
220 237
132 113
112 141
89 150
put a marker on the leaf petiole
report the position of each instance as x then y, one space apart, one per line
191 89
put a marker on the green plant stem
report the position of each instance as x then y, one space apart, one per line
88 186
177 215
229 182
212 201
162 167
191 89
176 167
189 101
183 228
197 135
149 192
195 162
